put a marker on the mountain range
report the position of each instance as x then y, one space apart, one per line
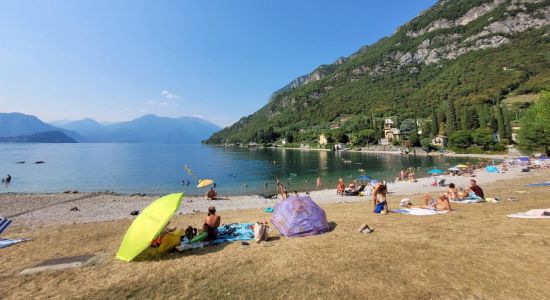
454 66
17 127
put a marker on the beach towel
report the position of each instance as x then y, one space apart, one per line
532 184
4 223
532 214
476 200
4 243
418 211
234 232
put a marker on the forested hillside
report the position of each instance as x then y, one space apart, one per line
450 69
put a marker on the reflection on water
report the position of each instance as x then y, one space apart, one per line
155 168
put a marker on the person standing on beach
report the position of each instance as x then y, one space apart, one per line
319 183
380 205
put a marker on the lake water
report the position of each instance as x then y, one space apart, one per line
159 169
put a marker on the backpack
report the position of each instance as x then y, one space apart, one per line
260 232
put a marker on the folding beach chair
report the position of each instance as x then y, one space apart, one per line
4 223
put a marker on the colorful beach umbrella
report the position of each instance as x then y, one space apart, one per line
435 171
454 169
461 166
148 225
205 182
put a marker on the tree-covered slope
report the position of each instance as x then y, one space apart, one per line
451 66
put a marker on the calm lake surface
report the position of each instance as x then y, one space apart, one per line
159 169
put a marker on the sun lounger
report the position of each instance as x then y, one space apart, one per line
532 214
418 211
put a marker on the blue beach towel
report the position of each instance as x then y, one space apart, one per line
269 209
4 243
533 184
235 232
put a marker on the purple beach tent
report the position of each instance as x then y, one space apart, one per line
299 216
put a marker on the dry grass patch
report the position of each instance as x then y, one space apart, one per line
475 252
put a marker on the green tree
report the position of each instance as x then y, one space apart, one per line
461 139
451 124
366 136
426 144
534 134
482 137
435 124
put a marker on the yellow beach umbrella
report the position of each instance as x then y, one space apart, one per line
205 182
461 166
148 225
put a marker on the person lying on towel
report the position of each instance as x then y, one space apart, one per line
379 198
441 203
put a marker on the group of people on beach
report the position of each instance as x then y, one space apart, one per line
172 238
406 176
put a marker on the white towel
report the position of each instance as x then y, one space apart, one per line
418 211
532 214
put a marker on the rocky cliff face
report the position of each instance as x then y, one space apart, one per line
455 51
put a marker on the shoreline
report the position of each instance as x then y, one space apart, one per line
420 153
55 208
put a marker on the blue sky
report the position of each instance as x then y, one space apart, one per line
117 60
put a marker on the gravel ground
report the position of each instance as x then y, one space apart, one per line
42 209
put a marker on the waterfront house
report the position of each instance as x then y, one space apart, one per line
440 140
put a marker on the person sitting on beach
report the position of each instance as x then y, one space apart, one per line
341 187
476 189
351 188
452 192
380 205
7 179
211 224
411 177
169 238
211 195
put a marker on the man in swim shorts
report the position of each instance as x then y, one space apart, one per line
379 199
211 223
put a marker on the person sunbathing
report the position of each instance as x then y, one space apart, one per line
211 224
440 204
452 192
379 199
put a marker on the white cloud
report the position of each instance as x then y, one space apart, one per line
151 102
168 95
163 103
198 116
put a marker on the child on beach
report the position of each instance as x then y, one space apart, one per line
341 187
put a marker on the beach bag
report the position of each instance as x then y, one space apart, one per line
260 232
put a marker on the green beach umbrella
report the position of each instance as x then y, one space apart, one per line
148 225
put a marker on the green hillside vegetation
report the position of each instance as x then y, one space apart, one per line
450 96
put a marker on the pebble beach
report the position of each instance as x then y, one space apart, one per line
49 209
